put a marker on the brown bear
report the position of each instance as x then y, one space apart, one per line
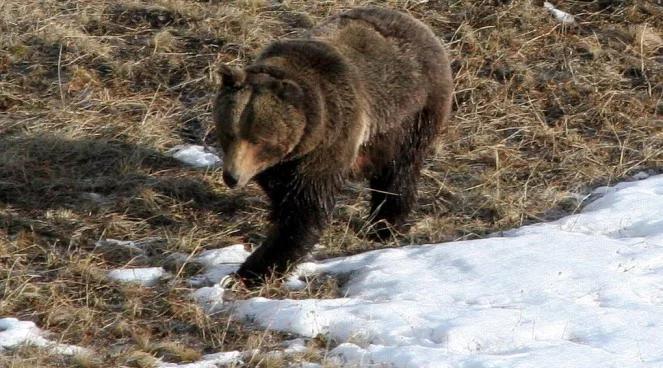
365 92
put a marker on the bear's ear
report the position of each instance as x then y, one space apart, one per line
290 91
231 77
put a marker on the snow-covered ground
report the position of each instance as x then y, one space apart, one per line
583 291
14 333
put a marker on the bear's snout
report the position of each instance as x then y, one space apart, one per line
241 163
230 180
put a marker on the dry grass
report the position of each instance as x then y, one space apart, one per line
92 93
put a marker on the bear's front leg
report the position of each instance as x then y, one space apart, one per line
298 216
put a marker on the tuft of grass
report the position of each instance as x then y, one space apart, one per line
174 352
93 93
85 361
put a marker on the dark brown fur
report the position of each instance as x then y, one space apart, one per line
368 91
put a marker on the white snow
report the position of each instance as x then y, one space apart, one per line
561 16
310 365
295 346
196 156
211 298
147 276
114 245
219 263
210 361
641 175
14 333
294 283
583 291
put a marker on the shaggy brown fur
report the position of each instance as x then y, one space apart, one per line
366 92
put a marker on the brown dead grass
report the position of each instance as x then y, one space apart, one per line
92 94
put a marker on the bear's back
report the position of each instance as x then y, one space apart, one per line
397 57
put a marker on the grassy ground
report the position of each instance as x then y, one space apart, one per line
92 93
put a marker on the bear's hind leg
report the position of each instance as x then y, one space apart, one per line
393 193
394 183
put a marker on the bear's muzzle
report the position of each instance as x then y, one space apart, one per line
230 179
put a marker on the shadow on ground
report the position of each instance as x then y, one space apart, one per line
47 172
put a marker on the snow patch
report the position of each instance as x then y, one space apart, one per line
215 360
583 291
196 156
233 254
294 283
114 245
211 298
295 346
219 263
310 365
94 197
148 276
561 16
14 333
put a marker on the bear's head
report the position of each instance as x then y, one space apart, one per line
259 120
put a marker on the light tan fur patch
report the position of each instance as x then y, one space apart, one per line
243 162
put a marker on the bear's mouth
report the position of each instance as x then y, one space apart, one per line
234 180
230 180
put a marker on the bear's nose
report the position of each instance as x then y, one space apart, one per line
229 179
